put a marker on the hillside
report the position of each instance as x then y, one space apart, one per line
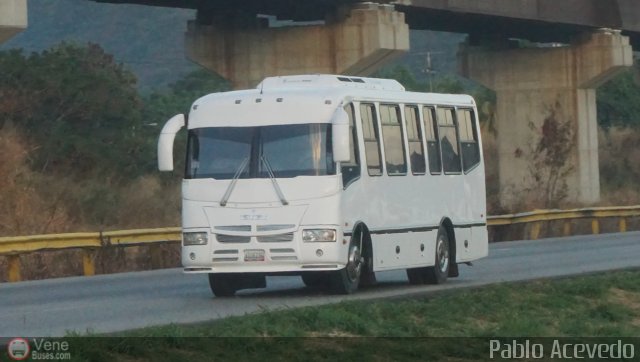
148 40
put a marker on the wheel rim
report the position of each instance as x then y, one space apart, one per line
442 254
354 265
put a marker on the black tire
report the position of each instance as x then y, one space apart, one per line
222 285
438 273
367 276
315 279
416 275
347 280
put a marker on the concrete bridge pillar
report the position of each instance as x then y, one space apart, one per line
357 41
13 18
546 114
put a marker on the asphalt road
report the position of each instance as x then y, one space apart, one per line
117 302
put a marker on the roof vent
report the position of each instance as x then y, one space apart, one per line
327 80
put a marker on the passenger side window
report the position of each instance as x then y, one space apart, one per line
448 141
414 136
351 168
371 139
431 133
468 139
394 152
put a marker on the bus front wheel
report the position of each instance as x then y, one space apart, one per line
346 281
222 285
315 279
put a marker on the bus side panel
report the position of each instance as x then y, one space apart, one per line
413 206
463 235
478 245
403 250
476 236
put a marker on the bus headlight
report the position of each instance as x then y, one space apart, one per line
311 235
194 238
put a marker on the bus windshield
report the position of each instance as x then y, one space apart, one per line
290 150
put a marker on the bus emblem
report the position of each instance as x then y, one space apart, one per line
253 216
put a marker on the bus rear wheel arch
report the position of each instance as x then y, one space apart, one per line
438 273
443 263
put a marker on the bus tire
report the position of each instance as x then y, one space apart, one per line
367 275
416 275
222 285
438 273
347 280
315 279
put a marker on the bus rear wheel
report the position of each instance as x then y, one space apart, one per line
416 275
438 273
346 281
222 285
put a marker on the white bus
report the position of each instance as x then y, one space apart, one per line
332 178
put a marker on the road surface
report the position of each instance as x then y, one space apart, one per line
117 302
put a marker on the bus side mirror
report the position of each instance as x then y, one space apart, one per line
340 136
165 142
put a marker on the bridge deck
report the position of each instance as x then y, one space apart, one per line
535 20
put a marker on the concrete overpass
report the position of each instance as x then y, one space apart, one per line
533 82
535 20
13 18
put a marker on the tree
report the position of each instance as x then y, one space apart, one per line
160 106
549 167
76 105
619 100
403 75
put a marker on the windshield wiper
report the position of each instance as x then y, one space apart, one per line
236 176
195 165
274 181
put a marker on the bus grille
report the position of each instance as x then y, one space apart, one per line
279 238
223 238
245 228
274 227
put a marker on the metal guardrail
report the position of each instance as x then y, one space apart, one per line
537 217
12 247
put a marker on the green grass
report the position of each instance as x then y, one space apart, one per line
603 305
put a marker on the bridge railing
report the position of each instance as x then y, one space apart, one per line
12 247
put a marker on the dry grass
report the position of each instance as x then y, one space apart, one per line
25 208
619 153
628 299
37 203
145 202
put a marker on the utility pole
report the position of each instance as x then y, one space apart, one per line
429 70
428 66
